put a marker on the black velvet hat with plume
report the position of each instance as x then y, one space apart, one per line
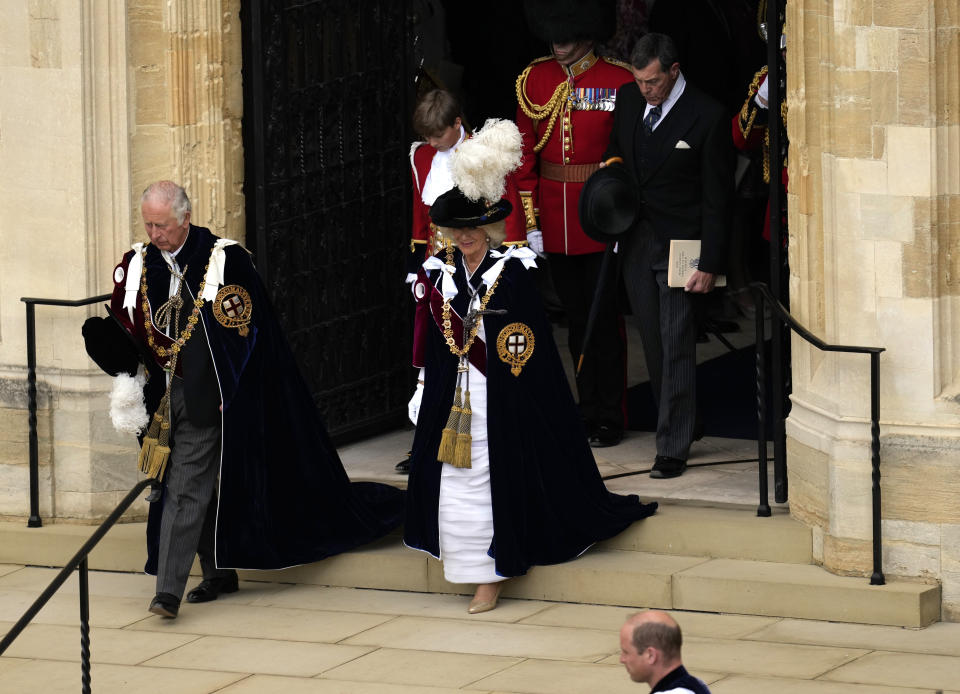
479 168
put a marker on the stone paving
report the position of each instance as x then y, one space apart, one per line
282 637
273 637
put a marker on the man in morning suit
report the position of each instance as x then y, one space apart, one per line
676 141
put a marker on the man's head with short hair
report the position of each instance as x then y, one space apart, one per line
650 644
437 117
165 209
655 64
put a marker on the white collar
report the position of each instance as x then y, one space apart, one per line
671 99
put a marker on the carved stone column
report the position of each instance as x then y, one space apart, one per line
874 108
186 66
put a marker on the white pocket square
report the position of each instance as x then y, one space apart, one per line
681 145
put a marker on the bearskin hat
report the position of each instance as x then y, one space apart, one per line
562 21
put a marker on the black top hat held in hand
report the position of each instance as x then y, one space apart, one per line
609 203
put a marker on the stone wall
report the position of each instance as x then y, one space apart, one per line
874 205
99 98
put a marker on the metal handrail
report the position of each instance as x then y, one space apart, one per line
763 297
79 562
31 302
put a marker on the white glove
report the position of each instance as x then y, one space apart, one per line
535 241
413 407
761 98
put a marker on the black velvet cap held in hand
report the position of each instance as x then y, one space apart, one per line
110 346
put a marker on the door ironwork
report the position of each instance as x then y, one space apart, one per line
327 89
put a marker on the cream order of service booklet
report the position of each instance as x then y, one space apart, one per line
684 258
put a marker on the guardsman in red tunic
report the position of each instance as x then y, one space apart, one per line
437 118
750 131
565 114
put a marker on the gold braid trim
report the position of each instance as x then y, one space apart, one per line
536 112
747 116
748 112
529 211
618 63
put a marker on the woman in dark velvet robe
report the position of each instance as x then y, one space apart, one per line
532 493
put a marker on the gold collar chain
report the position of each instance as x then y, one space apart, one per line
192 321
448 328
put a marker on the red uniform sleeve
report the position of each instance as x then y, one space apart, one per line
527 177
516 222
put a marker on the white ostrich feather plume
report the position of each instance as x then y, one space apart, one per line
481 163
128 411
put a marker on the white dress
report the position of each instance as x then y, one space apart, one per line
465 514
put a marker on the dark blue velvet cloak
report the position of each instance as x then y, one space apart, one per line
284 497
549 501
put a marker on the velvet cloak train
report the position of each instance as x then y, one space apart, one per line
284 497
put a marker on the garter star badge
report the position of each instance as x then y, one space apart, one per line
515 346
232 308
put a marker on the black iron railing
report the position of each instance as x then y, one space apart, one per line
764 298
78 562
34 520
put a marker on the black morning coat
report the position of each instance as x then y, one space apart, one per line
685 171
549 501
284 497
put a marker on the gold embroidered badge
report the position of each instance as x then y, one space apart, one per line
515 346
232 308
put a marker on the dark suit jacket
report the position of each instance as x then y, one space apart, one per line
686 183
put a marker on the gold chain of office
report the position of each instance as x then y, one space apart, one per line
192 321
537 113
448 327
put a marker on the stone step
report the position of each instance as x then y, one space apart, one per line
731 533
603 575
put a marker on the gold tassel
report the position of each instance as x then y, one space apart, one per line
155 451
150 440
461 456
158 462
448 438
146 451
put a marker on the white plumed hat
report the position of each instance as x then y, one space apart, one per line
481 163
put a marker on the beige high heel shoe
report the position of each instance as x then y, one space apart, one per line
478 606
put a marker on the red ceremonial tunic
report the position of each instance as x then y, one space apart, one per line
552 179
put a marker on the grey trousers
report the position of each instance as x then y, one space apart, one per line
189 505
669 335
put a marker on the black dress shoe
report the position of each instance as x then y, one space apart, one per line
606 436
211 588
165 605
403 467
665 467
